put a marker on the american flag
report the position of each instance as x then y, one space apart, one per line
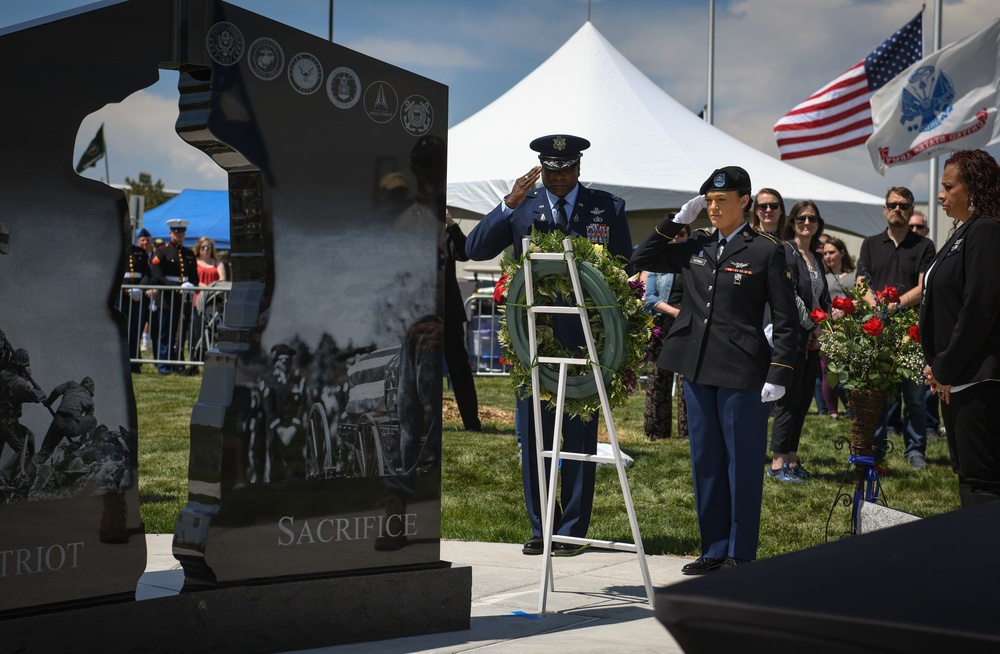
838 116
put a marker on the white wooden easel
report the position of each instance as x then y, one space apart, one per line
547 496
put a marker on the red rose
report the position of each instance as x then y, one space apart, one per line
499 289
914 333
888 294
817 315
873 327
845 304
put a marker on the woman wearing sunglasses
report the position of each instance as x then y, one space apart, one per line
809 281
769 212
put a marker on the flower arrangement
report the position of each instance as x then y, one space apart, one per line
619 325
869 347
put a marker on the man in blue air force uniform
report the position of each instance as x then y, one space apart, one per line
563 204
731 375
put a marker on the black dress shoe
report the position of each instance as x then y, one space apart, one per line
568 549
534 546
702 565
731 562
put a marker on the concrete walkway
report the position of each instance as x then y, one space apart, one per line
599 603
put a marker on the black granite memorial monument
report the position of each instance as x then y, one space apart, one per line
315 441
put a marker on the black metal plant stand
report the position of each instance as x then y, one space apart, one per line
866 486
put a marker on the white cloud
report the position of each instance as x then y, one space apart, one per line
140 137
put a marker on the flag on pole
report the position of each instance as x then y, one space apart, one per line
838 115
948 100
93 153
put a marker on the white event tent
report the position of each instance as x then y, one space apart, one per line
646 147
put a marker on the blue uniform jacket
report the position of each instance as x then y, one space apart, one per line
597 215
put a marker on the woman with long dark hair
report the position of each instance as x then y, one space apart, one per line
809 281
841 276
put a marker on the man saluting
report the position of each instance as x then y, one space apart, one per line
565 205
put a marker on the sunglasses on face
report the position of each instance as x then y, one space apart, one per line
903 206
812 218
920 228
773 206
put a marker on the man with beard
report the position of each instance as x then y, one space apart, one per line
897 259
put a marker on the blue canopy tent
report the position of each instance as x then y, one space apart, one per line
207 213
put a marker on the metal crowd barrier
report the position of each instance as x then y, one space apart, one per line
481 335
171 326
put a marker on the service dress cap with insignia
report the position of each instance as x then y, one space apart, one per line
177 223
144 232
730 178
559 151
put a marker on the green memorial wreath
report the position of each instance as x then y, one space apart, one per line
619 325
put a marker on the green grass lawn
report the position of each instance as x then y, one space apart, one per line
482 498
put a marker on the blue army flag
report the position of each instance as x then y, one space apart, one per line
93 153
946 101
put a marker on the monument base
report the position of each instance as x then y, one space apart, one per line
274 617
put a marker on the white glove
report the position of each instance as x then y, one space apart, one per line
135 294
771 392
187 286
690 210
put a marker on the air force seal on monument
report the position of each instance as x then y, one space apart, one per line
417 115
225 43
343 87
265 58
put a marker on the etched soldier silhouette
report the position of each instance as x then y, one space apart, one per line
73 418
5 350
16 388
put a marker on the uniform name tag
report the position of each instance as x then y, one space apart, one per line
698 261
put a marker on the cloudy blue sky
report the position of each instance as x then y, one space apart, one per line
770 55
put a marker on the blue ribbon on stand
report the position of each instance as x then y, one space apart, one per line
869 489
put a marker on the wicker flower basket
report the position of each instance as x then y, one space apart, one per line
866 415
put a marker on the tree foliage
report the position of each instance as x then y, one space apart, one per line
144 186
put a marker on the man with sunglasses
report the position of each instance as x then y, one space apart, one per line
898 257
918 224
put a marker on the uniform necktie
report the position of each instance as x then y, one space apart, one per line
722 246
561 214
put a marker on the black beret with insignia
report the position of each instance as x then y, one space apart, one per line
559 151
730 178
